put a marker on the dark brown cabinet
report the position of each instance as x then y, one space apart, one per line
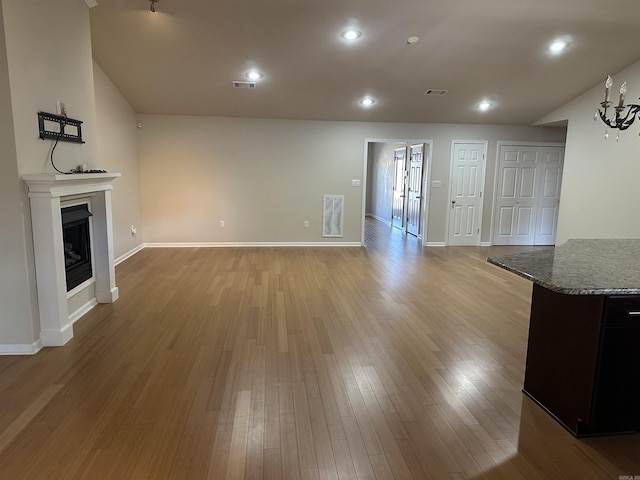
583 360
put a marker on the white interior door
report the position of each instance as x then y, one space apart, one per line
551 165
399 187
516 205
467 180
414 189
528 194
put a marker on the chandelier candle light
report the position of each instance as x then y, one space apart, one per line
625 115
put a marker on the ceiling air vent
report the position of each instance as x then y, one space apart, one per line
436 92
239 84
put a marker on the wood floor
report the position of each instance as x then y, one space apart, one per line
384 362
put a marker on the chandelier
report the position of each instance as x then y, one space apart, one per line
624 115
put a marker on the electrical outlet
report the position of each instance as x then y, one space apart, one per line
134 230
221 223
306 224
61 109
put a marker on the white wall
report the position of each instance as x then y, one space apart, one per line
265 177
262 177
48 58
117 142
369 206
600 194
16 315
382 174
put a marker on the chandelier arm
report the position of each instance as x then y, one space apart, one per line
618 120
607 122
625 122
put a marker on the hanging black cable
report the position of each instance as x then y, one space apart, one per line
51 156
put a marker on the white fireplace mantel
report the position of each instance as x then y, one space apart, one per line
47 192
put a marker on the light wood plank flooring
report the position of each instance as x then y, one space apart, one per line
384 362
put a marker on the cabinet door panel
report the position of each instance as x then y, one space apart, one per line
562 354
617 396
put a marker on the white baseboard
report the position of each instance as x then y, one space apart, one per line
49 338
109 296
129 254
140 247
251 244
82 310
486 244
20 349
56 338
436 244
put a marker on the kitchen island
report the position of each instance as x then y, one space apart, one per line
583 353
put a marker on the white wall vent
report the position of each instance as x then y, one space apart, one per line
436 92
332 217
239 84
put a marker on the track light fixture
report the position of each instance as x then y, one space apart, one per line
152 8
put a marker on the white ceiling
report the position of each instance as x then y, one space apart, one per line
183 59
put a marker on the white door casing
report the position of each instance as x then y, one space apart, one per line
427 145
467 183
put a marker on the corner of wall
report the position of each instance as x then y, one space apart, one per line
17 313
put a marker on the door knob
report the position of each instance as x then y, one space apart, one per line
453 203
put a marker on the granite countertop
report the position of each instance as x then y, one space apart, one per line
581 267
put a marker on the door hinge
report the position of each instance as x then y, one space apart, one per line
480 194
478 230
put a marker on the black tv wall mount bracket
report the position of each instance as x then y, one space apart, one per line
58 127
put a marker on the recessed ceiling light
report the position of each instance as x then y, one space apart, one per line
367 101
254 75
559 45
412 40
484 106
351 34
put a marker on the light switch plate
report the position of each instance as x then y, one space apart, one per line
355 183
436 183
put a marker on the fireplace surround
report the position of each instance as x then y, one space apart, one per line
48 195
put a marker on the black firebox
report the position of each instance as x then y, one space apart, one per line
76 234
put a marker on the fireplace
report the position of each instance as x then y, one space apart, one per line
76 235
73 248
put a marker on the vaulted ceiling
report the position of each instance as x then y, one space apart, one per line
183 58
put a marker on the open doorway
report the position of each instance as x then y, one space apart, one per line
396 187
